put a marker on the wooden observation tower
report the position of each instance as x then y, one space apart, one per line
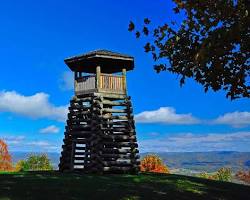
100 132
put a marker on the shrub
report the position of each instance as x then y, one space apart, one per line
243 176
153 163
21 165
223 174
5 158
34 163
206 176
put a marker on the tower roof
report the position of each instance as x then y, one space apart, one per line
110 62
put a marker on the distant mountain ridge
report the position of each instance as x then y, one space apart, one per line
206 161
179 162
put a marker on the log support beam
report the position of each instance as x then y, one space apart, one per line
100 135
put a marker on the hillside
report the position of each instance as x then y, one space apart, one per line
54 185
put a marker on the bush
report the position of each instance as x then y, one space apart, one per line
223 174
34 163
5 158
153 163
243 176
206 176
21 165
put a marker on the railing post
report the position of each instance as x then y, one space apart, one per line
98 74
75 82
124 84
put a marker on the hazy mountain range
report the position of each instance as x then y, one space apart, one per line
197 162
181 162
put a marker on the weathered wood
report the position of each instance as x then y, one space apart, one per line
113 103
107 134
118 151
98 74
124 79
113 168
81 133
80 148
72 155
109 110
120 137
115 117
116 156
119 163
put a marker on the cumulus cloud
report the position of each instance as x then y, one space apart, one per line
35 106
235 119
188 142
50 129
165 115
168 115
67 81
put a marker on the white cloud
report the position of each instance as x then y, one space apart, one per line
67 81
50 129
235 119
40 146
22 143
188 142
13 140
154 134
166 115
39 143
35 106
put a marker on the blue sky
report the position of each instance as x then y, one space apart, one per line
36 86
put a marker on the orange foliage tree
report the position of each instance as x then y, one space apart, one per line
244 176
153 163
5 158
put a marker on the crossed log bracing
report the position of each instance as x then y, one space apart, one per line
100 135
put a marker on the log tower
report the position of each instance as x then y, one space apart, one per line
100 131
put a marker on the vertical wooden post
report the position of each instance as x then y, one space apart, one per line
98 74
75 82
124 80
72 156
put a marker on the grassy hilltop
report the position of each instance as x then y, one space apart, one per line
54 185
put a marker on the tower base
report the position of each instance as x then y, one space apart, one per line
100 135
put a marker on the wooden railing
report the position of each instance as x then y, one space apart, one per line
85 83
107 83
113 83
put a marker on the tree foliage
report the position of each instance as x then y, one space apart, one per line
243 176
21 166
223 174
153 163
211 45
34 163
5 157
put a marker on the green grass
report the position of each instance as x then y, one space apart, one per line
55 185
